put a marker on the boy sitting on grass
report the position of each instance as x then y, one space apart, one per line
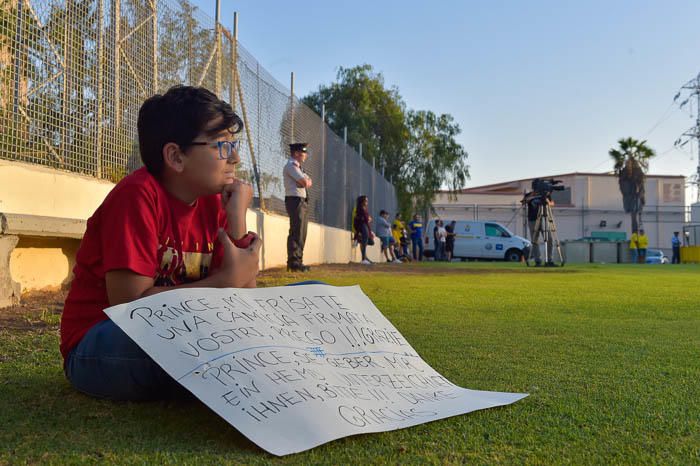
178 222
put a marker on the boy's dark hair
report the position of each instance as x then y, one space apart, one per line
382 212
179 116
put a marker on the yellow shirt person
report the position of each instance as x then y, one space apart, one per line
642 240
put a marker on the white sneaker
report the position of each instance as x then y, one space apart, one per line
398 261
365 262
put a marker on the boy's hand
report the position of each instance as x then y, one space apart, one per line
236 196
239 266
235 199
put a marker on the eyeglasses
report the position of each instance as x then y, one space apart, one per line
226 148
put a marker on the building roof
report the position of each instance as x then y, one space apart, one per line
514 187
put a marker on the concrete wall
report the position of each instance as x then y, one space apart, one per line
36 190
47 263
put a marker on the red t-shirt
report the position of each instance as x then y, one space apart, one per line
143 228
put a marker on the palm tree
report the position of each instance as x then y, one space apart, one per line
631 165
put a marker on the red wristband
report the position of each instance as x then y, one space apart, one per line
244 242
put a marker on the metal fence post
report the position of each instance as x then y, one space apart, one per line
67 62
100 77
234 57
359 163
345 176
372 181
116 23
219 54
324 220
18 61
154 5
291 108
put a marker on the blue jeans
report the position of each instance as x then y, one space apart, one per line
108 364
417 248
634 255
440 251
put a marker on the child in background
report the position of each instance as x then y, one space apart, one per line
384 233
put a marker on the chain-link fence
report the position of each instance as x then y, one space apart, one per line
73 75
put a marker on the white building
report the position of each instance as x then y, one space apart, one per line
589 206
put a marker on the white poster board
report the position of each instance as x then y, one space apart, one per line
295 367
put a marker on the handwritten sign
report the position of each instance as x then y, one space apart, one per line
295 367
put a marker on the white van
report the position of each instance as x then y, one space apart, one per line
480 240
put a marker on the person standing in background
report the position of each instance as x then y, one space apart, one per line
450 240
676 246
642 245
634 247
296 202
363 230
415 226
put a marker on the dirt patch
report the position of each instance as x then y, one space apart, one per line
38 310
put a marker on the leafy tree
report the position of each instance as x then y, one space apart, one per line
417 149
374 115
434 158
631 165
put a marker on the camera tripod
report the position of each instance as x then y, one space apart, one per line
546 228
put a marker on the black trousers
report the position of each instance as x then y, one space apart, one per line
297 209
676 259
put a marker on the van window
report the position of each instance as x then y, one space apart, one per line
496 230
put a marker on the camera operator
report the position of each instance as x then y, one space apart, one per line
534 199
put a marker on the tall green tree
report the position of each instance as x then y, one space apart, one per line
434 160
631 165
373 114
417 149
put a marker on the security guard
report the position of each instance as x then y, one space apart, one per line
296 183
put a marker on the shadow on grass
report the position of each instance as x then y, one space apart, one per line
48 414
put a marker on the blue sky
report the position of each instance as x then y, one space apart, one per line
538 87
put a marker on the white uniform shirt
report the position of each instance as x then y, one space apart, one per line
292 173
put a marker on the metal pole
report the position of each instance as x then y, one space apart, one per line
371 188
291 107
323 164
155 45
18 59
246 123
67 62
249 137
100 78
234 58
345 175
116 23
217 70
359 161
257 119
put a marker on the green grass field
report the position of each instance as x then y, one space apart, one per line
610 355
